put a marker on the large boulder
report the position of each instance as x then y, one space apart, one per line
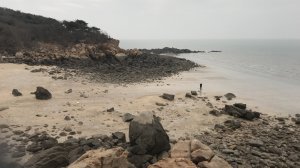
42 93
101 158
147 135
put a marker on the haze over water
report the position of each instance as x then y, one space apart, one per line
265 73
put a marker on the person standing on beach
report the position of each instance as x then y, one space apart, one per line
200 86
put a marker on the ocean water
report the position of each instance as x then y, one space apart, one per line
265 72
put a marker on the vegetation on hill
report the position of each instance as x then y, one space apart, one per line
23 31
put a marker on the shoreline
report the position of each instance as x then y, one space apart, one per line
88 103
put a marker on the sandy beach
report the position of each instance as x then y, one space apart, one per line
131 98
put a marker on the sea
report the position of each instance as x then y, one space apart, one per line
265 72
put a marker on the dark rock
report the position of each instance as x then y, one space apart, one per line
34 147
16 92
297 115
240 113
128 117
3 108
168 96
147 132
110 110
194 93
218 97
120 136
3 126
139 161
160 104
256 142
168 50
235 124
55 157
188 95
49 143
240 106
215 112
17 154
297 120
229 96
219 126
42 93
67 118
75 154
18 132
69 91
208 104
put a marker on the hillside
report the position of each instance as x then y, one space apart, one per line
23 31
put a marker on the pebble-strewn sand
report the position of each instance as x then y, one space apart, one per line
182 117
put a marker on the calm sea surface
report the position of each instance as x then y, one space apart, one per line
264 71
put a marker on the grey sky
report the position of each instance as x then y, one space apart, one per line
175 19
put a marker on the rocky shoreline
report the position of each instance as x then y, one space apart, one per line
246 139
168 50
106 62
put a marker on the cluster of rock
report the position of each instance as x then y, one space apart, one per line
148 146
267 142
40 93
105 62
45 53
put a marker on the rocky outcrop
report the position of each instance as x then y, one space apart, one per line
168 50
239 110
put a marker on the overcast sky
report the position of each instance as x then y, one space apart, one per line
175 19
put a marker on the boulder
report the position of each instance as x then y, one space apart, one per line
188 95
101 158
194 93
241 113
229 96
120 136
215 162
168 96
200 152
234 124
128 117
55 157
215 112
16 92
42 93
174 163
148 135
240 106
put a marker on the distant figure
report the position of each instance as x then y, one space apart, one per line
200 86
